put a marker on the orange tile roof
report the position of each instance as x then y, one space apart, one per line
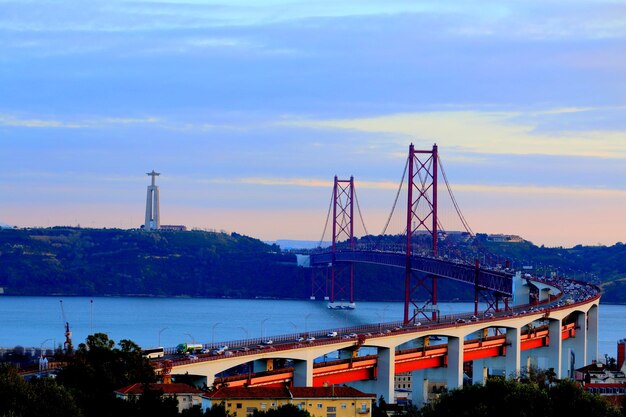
283 392
173 388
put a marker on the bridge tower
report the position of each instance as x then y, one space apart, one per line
342 275
421 215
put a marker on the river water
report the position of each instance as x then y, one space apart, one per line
37 321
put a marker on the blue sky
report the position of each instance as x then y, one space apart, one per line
250 108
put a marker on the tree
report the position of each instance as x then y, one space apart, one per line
518 399
379 410
216 410
98 368
41 397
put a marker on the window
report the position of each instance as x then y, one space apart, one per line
331 415
238 405
344 405
263 406
320 405
331 409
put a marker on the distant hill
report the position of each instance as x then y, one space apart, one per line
75 261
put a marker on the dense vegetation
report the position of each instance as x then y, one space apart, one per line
85 386
499 397
74 261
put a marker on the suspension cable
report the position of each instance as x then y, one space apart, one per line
468 229
395 202
358 206
330 205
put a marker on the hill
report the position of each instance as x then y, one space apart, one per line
73 261
89 262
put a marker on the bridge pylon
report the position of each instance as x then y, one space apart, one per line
342 274
421 216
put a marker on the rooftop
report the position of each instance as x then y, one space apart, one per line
284 392
173 388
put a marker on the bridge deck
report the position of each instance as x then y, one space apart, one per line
499 281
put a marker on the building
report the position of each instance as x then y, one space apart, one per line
505 238
597 378
186 395
153 212
318 401
403 387
173 227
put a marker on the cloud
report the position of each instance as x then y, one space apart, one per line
512 133
458 187
111 122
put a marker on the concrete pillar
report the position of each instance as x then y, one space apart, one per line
454 373
419 385
592 333
513 353
521 291
565 362
479 372
386 372
555 348
421 380
580 342
303 373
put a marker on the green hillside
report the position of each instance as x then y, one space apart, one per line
133 262
74 261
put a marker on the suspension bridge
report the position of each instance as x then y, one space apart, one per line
527 320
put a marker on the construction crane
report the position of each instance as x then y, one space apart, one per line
67 345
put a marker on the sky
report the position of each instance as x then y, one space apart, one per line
250 108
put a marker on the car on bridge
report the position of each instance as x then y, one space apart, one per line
331 334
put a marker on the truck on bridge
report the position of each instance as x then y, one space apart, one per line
188 348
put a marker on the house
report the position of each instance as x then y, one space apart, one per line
186 395
318 401
597 378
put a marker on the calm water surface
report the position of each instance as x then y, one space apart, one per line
37 321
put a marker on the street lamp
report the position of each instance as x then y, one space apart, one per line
295 328
306 320
190 337
213 332
262 324
161 331
41 347
384 311
245 331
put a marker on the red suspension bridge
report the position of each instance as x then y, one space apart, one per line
422 268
